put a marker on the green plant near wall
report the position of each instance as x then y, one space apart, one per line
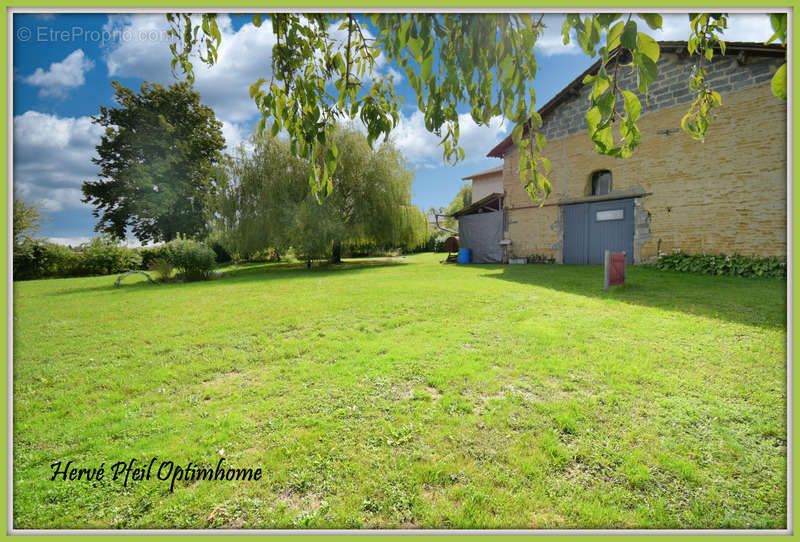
720 264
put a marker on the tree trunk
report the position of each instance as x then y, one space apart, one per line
336 256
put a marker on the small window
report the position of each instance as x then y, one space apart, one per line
601 182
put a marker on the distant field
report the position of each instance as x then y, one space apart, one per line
405 394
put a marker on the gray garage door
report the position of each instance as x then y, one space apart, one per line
592 228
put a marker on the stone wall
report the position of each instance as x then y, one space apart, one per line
724 74
727 194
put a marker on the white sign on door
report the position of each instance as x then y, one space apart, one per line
614 214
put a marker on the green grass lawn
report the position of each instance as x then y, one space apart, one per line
405 393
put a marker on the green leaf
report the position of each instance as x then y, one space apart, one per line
629 35
606 19
255 86
403 33
686 122
426 67
633 108
604 139
647 72
653 20
330 160
606 103
779 82
593 118
546 164
649 47
614 35
415 46
601 84
778 21
590 79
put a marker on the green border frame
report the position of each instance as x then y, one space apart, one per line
403 6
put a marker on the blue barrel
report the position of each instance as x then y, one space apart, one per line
464 255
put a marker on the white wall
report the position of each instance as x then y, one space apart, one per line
483 186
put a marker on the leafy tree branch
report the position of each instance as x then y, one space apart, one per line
484 63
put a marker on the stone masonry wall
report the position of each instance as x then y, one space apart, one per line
724 74
727 194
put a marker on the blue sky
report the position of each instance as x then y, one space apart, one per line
64 63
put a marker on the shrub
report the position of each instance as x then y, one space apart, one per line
193 260
265 255
540 258
36 258
721 264
163 268
435 241
60 261
150 255
104 256
221 253
27 260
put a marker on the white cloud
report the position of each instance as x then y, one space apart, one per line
76 241
61 76
422 148
748 27
52 158
754 27
244 56
235 134
69 241
138 47
551 42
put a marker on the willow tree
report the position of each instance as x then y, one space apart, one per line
264 204
322 70
257 195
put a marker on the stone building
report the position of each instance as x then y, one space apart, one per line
726 194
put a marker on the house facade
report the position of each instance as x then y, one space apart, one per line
727 194
486 182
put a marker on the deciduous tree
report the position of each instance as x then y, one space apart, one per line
27 221
156 161
462 199
265 204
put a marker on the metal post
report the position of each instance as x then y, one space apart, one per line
606 268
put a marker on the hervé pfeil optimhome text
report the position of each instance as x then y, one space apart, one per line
165 470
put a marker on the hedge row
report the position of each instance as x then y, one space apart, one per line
721 264
34 259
